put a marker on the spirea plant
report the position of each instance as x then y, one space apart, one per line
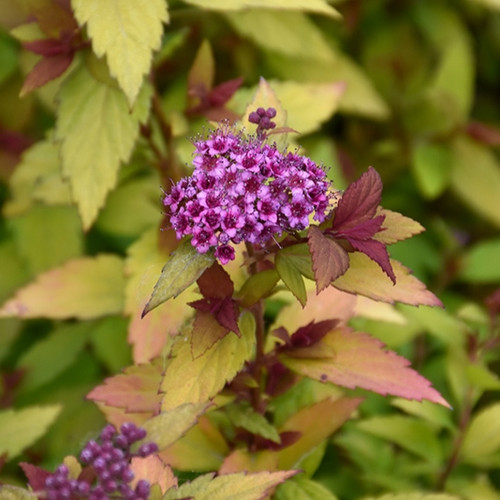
199 281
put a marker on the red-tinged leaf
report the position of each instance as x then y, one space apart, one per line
362 361
206 332
136 390
46 70
83 288
396 227
154 470
48 47
359 201
326 416
215 282
362 231
221 93
224 311
36 476
377 252
329 259
311 333
486 134
365 277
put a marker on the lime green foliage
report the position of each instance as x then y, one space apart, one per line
300 371
21 428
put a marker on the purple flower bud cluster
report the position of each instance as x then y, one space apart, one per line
263 118
243 189
109 457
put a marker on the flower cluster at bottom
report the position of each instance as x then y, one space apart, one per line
110 460
243 189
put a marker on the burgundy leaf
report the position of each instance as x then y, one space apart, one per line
215 282
221 93
359 201
377 252
228 315
36 476
364 230
329 259
49 68
312 333
48 47
225 311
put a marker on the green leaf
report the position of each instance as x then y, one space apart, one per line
317 6
410 433
239 486
83 288
360 96
52 355
126 33
454 80
189 380
481 263
46 236
301 488
258 286
183 268
109 341
431 165
414 496
37 178
8 492
291 276
21 428
138 198
97 131
437 416
475 178
289 33
482 437
167 427
242 415
8 56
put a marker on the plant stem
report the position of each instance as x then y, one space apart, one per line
454 457
258 365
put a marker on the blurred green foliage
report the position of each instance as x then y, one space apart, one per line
420 103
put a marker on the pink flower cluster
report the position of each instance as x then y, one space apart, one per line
243 189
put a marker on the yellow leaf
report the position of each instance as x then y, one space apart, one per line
143 266
97 131
83 288
364 277
37 178
317 6
126 33
475 177
21 428
196 381
239 486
